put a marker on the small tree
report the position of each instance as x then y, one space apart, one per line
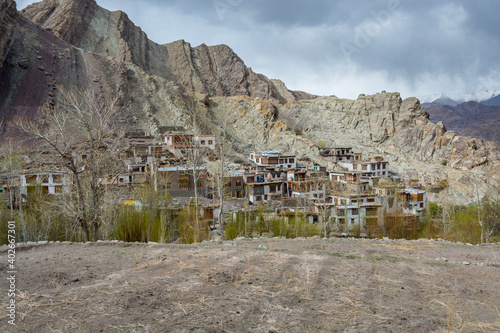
10 167
219 169
491 213
194 154
82 122
325 201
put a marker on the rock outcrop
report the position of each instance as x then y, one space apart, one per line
8 22
212 70
384 121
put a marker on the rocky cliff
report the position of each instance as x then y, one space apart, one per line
52 44
212 70
378 125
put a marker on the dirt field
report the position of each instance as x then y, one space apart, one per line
262 285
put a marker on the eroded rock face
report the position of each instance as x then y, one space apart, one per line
8 22
212 70
382 120
400 131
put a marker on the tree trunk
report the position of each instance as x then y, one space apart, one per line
11 202
221 216
82 218
197 231
85 230
95 231
221 190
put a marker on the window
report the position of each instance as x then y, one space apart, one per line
210 142
290 160
199 184
184 185
238 182
355 211
203 142
227 183
168 186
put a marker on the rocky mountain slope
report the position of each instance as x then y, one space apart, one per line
472 119
53 44
213 70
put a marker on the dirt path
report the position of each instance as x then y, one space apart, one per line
264 285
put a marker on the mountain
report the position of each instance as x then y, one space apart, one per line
69 43
492 101
471 119
213 70
459 98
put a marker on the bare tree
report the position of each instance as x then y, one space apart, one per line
82 130
194 155
222 154
491 212
10 167
325 202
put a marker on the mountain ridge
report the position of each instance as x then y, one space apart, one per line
470 118
484 96
213 70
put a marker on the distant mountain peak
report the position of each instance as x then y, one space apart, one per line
458 98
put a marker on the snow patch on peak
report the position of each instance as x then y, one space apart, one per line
459 98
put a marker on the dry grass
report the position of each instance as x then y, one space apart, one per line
333 286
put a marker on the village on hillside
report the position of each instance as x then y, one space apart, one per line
358 196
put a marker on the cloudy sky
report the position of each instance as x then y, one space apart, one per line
343 48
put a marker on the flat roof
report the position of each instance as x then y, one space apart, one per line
180 168
266 183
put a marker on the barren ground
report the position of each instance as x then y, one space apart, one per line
262 285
